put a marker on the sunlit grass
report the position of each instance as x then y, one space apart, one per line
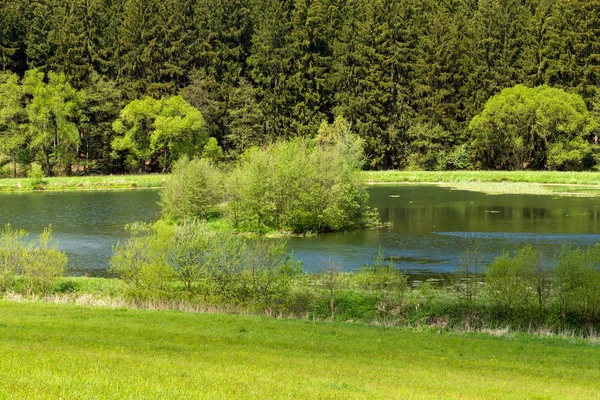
65 351
498 182
554 177
473 178
86 182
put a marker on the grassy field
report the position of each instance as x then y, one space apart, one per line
86 183
453 177
65 351
541 177
533 182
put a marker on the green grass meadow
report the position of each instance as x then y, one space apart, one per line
74 352
541 177
108 182
105 182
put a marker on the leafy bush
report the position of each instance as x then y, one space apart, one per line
142 261
192 190
577 280
217 266
301 185
36 176
12 255
270 271
43 263
39 263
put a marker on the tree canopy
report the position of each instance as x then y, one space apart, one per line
409 76
538 128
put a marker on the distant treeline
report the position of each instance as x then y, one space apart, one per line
409 75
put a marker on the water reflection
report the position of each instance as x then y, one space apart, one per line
431 226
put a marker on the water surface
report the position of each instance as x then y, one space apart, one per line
87 224
431 226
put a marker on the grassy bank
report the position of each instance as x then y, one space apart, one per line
107 182
498 182
540 177
470 180
66 351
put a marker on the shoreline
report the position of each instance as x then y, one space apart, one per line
490 182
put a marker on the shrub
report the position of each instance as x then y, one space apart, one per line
142 261
535 128
270 271
43 264
36 176
192 190
300 185
508 280
12 255
577 280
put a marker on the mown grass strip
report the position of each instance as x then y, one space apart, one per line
107 182
465 177
542 177
65 351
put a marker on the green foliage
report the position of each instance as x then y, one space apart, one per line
270 271
12 116
432 149
519 283
212 150
409 76
536 128
213 265
301 186
166 129
382 276
51 111
192 190
12 255
577 280
142 261
36 176
39 263
43 263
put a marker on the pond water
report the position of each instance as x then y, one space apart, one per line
87 224
431 226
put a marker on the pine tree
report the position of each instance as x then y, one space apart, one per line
13 21
363 86
244 119
41 32
573 49
314 27
503 37
100 106
270 65
224 31
140 48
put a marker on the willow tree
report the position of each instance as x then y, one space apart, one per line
12 113
151 130
51 110
535 128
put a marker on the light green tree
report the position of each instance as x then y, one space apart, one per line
163 130
12 114
535 128
51 109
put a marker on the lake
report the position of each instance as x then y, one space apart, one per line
431 226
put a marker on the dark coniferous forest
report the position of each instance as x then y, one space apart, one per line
95 86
